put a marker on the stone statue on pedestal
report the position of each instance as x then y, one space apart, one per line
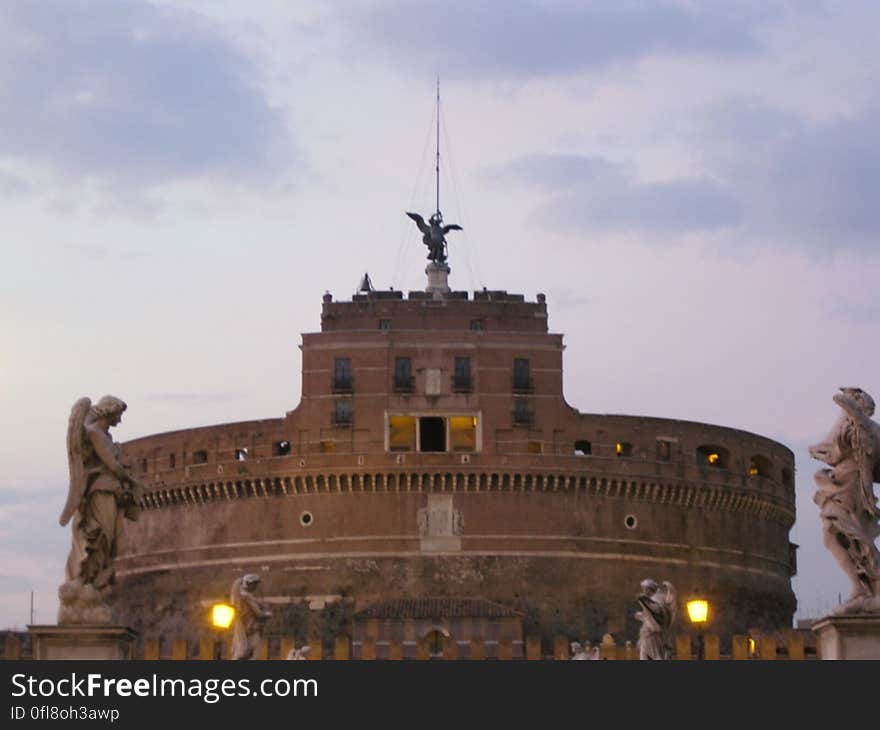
845 496
658 607
102 494
250 615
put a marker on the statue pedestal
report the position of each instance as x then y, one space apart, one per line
82 641
856 636
438 279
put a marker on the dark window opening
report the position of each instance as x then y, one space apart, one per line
522 378
461 379
200 457
143 465
342 381
432 434
403 377
172 461
385 324
342 412
476 324
241 454
583 448
281 448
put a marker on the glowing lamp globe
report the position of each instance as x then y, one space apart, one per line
698 610
222 615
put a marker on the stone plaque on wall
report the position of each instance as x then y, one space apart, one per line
440 524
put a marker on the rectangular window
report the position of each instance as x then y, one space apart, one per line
522 416
522 378
200 457
462 375
328 447
385 324
401 433
583 448
664 450
342 412
476 324
403 377
342 375
463 433
535 447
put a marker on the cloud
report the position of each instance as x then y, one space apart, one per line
810 186
128 94
597 193
463 38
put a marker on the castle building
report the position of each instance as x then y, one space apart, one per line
433 457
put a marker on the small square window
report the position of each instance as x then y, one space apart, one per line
385 324
477 324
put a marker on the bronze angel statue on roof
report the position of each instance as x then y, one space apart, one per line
434 235
102 494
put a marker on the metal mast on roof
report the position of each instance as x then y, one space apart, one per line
437 166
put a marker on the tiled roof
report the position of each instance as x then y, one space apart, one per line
438 608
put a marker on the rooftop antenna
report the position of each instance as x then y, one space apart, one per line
437 165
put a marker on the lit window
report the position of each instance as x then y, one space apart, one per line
535 447
401 433
328 447
623 448
714 456
463 433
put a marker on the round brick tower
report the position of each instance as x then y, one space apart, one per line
433 455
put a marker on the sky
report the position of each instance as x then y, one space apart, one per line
692 185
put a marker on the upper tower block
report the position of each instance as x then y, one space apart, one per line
494 311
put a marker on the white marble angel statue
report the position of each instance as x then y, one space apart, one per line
845 496
657 615
250 615
102 494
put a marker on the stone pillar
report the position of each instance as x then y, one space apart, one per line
856 636
438 279
82 641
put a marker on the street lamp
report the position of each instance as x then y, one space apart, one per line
222 615
698 613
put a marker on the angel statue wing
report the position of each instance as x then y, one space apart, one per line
452 227
75 458
671 601
235 594
420 222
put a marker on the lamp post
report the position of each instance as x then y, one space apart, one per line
222 616
698 613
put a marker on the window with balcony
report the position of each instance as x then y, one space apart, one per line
461 378
342 382
522 415
403 377
342 412
522 377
